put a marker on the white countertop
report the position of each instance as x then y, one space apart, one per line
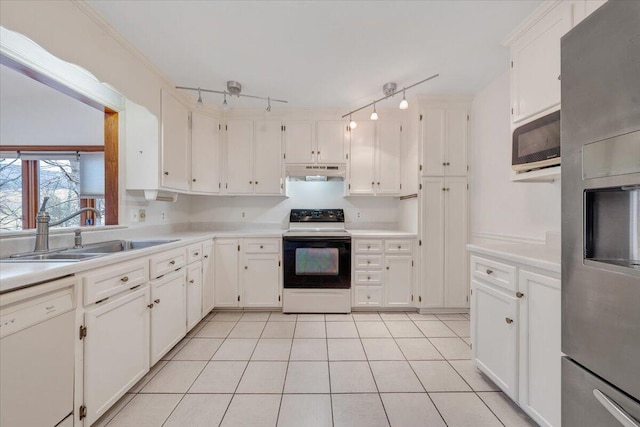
544 256
16 275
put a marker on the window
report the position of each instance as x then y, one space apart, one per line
26 180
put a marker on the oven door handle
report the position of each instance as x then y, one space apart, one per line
614 409
317 239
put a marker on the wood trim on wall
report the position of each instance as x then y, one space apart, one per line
84 216
111 167
30 182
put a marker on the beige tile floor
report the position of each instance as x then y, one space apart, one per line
364 369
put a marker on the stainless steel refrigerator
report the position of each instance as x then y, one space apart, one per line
600 133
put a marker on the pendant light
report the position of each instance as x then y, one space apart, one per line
374 115
268 110
233 89
225 105
352 123
403 104
199 103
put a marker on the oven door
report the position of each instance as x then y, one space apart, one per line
317 262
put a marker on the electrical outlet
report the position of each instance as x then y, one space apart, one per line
134 217
142 215
163 216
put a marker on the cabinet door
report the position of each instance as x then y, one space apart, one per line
368 296
239 165
169 313
332 138
207 278
398 283
299 143
362 160
116 349
389 138
433 140
205 154
194 294
540 353
432 234
226 272
175 137
536 64
456 142
494 324
260 280
268 157
456 262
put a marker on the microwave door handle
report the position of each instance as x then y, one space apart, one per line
614 409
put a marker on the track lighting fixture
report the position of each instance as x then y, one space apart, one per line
233 88
374 115
352 123
389 90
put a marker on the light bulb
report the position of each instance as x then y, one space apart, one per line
404 104
199 104
352 124
374 115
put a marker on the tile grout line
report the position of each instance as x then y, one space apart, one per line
326 333
286 372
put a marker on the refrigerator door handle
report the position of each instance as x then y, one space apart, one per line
614 409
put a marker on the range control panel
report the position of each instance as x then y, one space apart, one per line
316 215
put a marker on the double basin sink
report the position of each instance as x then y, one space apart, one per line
86 252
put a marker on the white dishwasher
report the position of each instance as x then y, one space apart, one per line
37 333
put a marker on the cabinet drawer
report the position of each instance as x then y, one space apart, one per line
261 246
368 261
168 261
368 246
398 246
368 295
194 252
368 277
494 272
106 281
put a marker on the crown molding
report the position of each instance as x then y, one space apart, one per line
530 21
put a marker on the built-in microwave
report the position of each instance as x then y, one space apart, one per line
537 144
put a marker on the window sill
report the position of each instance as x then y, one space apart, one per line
4 234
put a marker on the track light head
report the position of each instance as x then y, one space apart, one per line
403 104
352 123
374 115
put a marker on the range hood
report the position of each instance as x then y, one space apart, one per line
316 172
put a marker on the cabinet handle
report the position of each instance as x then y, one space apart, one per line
368 262
373 183
508 320
368 277
172 262
246 268
150 305
194 180
399 247
387 267
489 271
368 246
368 296
448 164
157 301
313 152
256 182
318 153
448 189
444 189
519 294
206 257
378 184
166 173
261 247
124 279
196 253
250 182
444 164
192 281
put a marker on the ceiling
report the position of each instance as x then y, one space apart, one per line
321 54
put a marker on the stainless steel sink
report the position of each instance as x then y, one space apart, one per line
92 250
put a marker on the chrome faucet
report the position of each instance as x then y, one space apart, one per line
43 222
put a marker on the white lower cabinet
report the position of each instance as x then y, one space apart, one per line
208 278
248 272
168 314
261 280
194 294
227 260
383 273
516 331
116 349
495 333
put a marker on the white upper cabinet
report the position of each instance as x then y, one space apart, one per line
331 141
375 158
175 141
205 154
444 140
239 157
389 140
267 171
362 161
535 61
299 142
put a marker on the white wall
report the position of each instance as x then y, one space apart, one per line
69 31
498 205
302 195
